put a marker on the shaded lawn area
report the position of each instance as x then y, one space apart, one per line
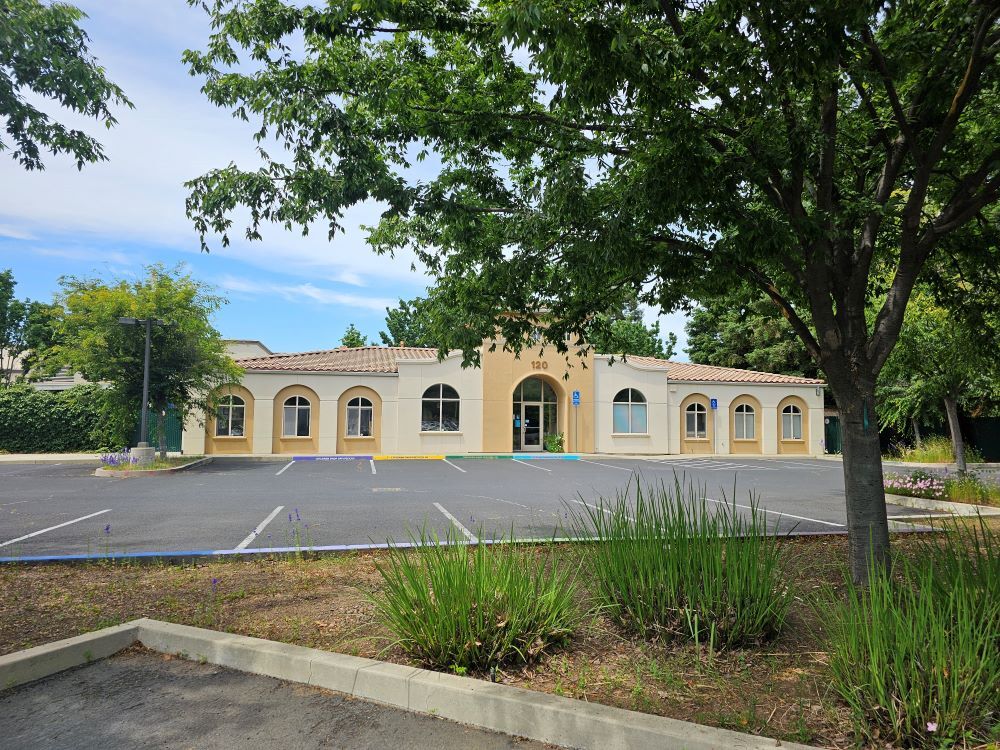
780 690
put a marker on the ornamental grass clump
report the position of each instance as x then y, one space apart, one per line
669 563
475 607
916 656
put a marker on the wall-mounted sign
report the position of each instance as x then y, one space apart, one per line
576 398
714 403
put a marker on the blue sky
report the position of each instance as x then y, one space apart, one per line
291 292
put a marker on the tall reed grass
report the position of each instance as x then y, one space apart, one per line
916 656
474 607
667 563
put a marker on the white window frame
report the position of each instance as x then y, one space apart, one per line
440 400
792 411
697 409
296 408
363 404
740 414
629 403
229 402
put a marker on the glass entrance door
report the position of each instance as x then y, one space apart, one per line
531 427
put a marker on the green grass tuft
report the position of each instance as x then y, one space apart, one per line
465 607
916 656
668 564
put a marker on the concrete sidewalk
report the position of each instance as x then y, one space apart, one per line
145 700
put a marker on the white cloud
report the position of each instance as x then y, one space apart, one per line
173 135
304 293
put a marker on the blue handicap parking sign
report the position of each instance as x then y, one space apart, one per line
714 403
576 398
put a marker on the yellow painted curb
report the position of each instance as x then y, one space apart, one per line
408 458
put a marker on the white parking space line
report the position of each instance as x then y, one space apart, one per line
53 528
453 465
256 532
778 513
458 524
372 462
284 469
530 465
596 507
598 463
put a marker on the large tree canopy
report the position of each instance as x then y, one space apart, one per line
43 50
544 155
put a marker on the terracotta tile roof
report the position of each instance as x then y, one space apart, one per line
341 359
713 374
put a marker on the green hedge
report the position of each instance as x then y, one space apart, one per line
83 418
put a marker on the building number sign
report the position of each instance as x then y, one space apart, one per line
537 364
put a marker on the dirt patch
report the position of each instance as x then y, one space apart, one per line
780 690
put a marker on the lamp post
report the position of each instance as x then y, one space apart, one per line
143 452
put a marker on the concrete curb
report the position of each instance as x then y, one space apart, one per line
42 661
105 472
502 708
956 509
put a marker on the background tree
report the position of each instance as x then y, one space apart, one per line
938 361
675 149
745 330
409 324
353 337
44 51
189 360
13 313
624 332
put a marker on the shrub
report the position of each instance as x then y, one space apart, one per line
473 607
81 418
667 565
917 658
916 484
554 442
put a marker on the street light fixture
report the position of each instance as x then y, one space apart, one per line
144 453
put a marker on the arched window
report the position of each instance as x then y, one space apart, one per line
295 417
744 423
230 417
791 423
439 411
629 412
696 421
359 417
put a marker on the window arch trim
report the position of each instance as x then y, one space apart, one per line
296 417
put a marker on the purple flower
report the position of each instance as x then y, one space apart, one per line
215 585
289 518
932 726
297 518
107 529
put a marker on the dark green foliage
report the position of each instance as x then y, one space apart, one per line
456 606
353 337
409 324
745 330
670 564
43 50
84 418
625 332
917 658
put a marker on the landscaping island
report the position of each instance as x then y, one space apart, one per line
781 685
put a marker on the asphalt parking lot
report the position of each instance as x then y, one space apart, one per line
144 700
62 509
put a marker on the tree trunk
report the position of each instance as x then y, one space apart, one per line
161 432
867 525
916 432
957 443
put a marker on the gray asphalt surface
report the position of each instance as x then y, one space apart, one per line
141 700
50 509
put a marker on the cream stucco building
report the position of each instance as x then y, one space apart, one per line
405 401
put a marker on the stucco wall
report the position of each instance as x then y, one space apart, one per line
610 378
415 377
